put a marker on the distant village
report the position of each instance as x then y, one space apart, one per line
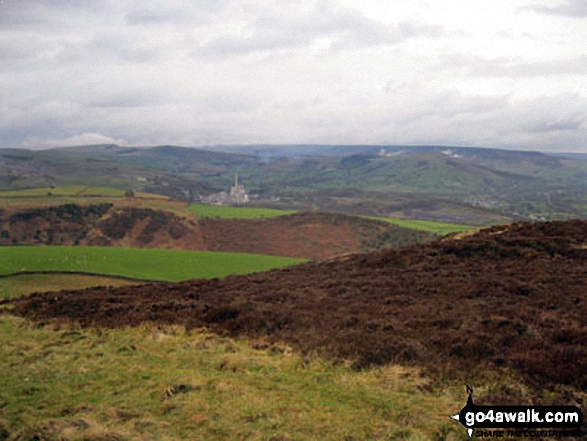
238 195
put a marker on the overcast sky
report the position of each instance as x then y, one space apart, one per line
495 73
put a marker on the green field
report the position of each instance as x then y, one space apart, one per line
150 264
216 211
224 212
74 191
439 228
67 190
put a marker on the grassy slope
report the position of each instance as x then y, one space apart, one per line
425 173
73 191
110 166
141 200
152 264
439 228
149 383
518 185
214 211
66 190
153 383
89 194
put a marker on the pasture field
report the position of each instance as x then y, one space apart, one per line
137 263
87 195
66 190
154 383
74 191
225 212
438 228
26 203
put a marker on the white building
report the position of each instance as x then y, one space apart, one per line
238 194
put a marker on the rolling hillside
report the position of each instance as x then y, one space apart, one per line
507 298
316 236
451 184
99 225
171 171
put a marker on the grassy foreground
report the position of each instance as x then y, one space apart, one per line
224 212
164 384
139 263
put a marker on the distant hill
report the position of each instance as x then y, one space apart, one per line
477 188
167 170
581 156
167 158
268 151
450 184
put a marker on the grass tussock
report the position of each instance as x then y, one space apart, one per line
164 383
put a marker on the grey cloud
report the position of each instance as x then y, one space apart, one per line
42 124
12 137
570 8
222 103
516 68
79 70
125 45
130 98
544 123
343 29
85 138
450 106
37 15
16 47
147 17
50 34
176 12
227 45
112 45
44 121
139 116
59 4
570 124
449 117
412 29
298 105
